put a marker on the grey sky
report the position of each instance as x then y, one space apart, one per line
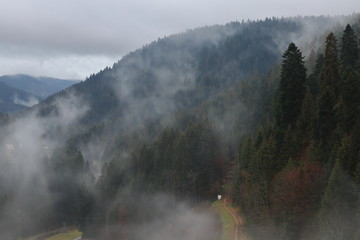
74 38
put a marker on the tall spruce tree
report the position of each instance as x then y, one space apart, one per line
313 81
349 109
349 98
328 92
349 49
291 91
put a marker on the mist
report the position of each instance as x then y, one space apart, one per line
162 217
152 86
26 102
26 144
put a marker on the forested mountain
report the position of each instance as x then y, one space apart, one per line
133 151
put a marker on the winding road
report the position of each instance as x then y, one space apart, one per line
237 218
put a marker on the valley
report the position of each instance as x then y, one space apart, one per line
263 112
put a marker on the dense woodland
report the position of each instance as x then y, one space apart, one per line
298 173
211 111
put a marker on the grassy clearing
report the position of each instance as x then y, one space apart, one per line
70 235
60 234
227 220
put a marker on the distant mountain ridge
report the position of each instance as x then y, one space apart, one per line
38 86
18 92
14 99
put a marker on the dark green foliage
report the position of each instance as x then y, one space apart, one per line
349 52
328 93
348 153
330 76
349 109
68 179
313 80
327 116
306 123
350 85
291 88
186 164
182 163
307 181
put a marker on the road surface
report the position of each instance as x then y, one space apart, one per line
237 218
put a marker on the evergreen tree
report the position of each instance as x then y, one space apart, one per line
291 90
310 62
349 108
328 93
313 81
305 123
67 179
349 48
350 85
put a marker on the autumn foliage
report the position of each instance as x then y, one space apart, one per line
297 191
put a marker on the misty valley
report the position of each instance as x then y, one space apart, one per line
247 130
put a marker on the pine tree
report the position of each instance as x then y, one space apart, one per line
349 98
310 62
305 123
313 81
330 74
291 90
328 92
349 49
349 109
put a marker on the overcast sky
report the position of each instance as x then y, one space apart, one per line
74 38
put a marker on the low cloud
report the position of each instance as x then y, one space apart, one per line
78 29
165 217
31 101
24 146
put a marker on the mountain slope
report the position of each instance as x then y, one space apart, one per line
179 71
183 70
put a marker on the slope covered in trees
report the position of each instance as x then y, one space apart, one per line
297 176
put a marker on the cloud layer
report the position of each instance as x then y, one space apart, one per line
72 39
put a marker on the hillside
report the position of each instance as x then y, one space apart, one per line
297 175
136 150
183 70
